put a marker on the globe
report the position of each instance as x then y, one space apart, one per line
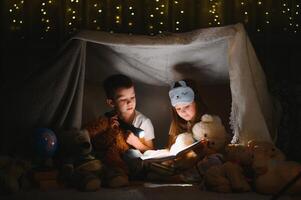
45 142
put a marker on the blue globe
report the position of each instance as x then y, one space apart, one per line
45 142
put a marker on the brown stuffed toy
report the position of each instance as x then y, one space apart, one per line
273 172
110 141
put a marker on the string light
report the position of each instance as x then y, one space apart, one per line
46 17
213 12
244 9
290 14
157 15
73 17
16 16
131 16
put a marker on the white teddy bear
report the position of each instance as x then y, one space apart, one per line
211 130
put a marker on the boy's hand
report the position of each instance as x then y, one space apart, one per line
134 141
114 122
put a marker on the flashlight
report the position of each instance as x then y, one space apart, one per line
126 126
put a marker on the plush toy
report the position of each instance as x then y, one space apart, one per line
109 143
79 168
13 174
231 175
211 130
272 171
218 175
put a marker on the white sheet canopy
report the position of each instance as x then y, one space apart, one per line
68 93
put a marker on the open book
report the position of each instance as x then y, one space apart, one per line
165 154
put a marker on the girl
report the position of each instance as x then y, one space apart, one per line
187 109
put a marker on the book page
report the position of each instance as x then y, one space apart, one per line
160 153
165 153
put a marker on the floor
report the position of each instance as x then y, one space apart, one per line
139 192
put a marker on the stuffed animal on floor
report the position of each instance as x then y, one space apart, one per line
219 176
13 174
271 169
79 168
109 144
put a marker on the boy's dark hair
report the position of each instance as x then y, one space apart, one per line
114 82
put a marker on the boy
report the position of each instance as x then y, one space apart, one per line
121 99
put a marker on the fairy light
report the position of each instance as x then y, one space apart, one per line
295 15
46 17
73 15
290 14
243 5
96 14
118 14
213 12
157 17
16 16
131 16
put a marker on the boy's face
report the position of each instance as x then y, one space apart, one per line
124 100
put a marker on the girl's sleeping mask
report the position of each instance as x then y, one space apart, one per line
180 95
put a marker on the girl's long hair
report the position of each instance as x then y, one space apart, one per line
179 125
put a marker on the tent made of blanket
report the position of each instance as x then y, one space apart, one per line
68 93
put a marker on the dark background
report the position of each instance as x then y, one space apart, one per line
32 31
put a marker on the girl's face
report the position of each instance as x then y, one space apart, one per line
186 111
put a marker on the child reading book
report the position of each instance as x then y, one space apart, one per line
121 99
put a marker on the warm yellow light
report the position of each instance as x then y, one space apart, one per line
43 4
117 17
177 22
99 10
10 10
157 8
266 13
162 5
161 23
95 5
182 11
161 13
151 15
259 2
117 7
176 2
246 13
132 13
151 27
130 7
130 23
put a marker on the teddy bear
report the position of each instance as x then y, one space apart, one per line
219 174
79 168
272 171
109 144
211 130
13 174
